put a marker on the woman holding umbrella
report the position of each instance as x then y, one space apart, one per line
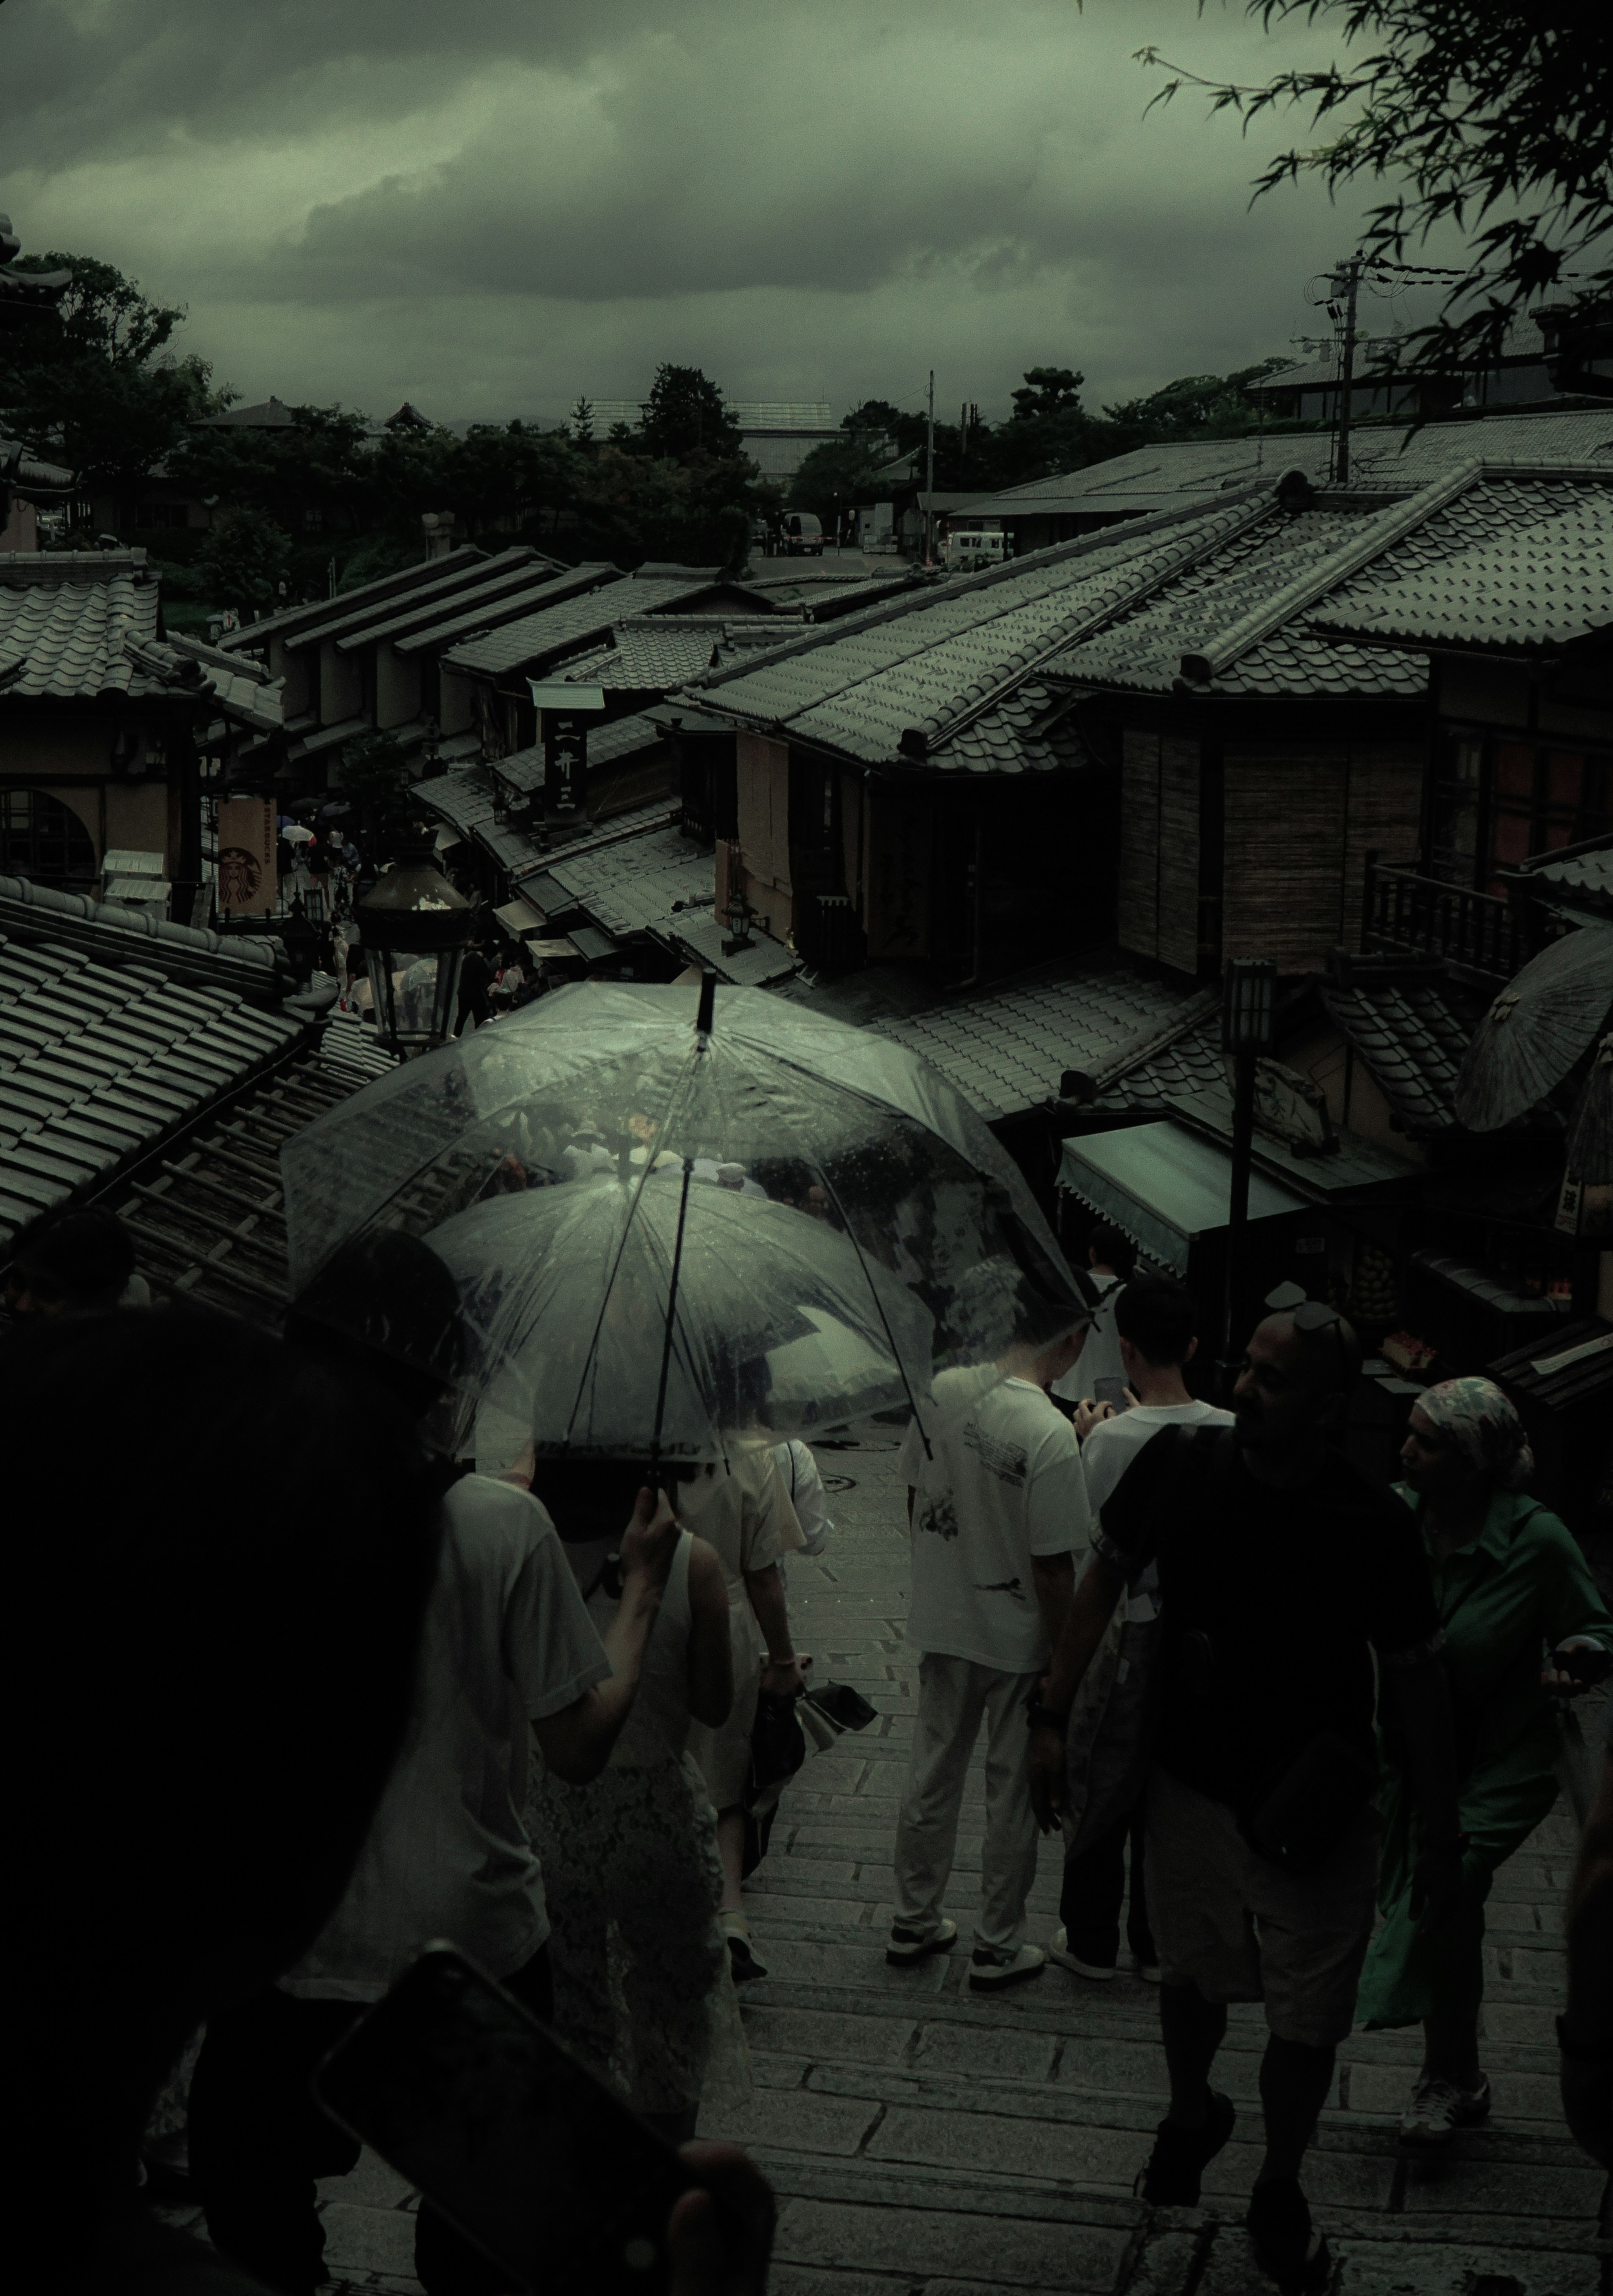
1523 1624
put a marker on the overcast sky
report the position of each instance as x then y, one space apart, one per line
489 206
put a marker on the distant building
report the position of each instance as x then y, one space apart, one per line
779 434
1522 376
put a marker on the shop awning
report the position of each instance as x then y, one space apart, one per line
518 917
1164 1188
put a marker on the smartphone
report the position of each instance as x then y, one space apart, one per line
461 2091
1111 1391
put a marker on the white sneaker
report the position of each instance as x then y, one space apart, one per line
1059 1951
988 1970
1439 2109
1148 1971
905 1946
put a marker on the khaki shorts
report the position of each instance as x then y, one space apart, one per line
1239 1928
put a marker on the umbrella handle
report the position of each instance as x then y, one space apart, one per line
708 1005
677 1259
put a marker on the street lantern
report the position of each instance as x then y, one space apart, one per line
414 928
1248 1015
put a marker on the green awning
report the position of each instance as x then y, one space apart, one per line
1164 1188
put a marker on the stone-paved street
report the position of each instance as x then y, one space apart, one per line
927 2143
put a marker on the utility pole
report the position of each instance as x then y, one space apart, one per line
1350 272
930 477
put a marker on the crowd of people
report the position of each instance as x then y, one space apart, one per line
337 1696
1315 1712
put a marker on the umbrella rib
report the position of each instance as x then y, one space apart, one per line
622 1245
763 1085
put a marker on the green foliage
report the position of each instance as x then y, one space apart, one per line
1481 109
1194 406
879 417
836 475
580 422
93 384
630 508
321 460
684 414
1048 390
375 777
245 559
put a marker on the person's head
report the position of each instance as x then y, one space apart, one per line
1107 1248
1299 1369
1155 1321
384 1306
69 1263
222 1562
1465 1441
731 1176
592 1499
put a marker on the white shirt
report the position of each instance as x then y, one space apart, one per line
1099 1356
1114 1443
507 1641
1003 1483
800 1471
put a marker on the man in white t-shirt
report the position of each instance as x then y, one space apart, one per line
508 1652
998 1513
1110 1255
1154 1322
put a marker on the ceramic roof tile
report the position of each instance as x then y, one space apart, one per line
79 1094
69 638
575 621
1541 581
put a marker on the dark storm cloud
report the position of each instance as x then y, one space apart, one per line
496 204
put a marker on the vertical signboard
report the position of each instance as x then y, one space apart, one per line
563 722
247 874
565 764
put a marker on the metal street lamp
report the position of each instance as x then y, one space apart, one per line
414 928
1248 1011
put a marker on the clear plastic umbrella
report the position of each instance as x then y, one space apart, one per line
665 1223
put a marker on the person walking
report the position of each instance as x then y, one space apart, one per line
740 1508
632 1874
1518 1608
996 1510
1287 1579
507 1649
1155 1321
1098 1374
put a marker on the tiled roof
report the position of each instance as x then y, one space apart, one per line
1007 1050
66 640
1524 341
653 656
571 625
761 964
631 884
299 621
1532 584
620 737
1247 615
1410 1024
462 797
1383 458
99 1062
893 684
1578 876
111 932
515 582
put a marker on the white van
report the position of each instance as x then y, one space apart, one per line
975 546
801 536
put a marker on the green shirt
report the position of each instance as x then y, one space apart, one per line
1506 1599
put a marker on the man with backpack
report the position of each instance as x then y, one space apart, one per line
1283 1573
1155 1326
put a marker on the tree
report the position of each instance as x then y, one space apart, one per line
696 512
1483 108
1194 406
375 777
684 414
580 422
834 476
93 384
879 418
1048 390
322 460
244 561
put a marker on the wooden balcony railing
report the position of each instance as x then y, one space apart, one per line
1479 931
